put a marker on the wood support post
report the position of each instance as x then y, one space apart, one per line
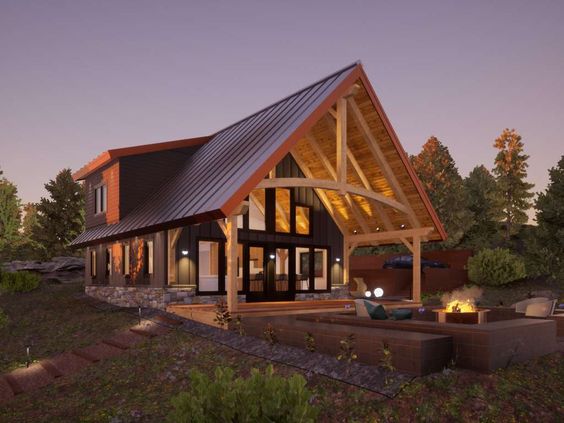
341 166
231 251
416 269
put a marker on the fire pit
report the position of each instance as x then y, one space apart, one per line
460 307
477 316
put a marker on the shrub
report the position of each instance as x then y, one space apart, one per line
18 281
495 267
259 398
3 319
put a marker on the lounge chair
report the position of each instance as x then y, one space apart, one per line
521 306
540 309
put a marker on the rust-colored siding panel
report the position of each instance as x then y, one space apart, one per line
110 177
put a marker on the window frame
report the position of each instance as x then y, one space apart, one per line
100 199
221 266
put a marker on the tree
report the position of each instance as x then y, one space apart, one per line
510 171
61 216
30 220
549 257
10 212
485 203
437 171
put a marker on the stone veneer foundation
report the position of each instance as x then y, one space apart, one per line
146 296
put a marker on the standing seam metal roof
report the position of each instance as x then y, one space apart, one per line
218 169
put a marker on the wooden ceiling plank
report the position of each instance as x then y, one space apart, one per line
382 162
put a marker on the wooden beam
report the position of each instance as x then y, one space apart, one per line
416 291
377 206
390 235
341 165
332 186
231 251
382 162
333 174
407 244
332 112
322 196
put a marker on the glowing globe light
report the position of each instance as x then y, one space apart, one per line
378 292
367 294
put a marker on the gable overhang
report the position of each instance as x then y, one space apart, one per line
358 74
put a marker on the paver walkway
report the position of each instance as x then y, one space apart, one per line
158 323
44 372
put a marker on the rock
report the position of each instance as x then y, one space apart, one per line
58 270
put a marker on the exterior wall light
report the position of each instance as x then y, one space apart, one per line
402 226
367 294
378 292
338 259
184 252
272 256
378 229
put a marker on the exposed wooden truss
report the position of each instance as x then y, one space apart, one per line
390 235
382 162
332 186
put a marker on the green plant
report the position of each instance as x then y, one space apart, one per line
346 349
3 319
262 397
309 342
270 335
495 267
222 314
239 325
386 361
12 282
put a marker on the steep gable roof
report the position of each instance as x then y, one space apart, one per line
230 164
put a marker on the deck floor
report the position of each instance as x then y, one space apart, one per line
205 313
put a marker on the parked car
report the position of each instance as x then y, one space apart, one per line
406 262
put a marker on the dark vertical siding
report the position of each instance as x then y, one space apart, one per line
325 232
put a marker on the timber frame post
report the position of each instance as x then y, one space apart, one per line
416 292
231 251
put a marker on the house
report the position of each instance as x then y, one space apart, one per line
267 209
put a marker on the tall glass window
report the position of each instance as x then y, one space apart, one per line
303 220
302 268
257 209
320 269
256 269
282 269
283 210
208 266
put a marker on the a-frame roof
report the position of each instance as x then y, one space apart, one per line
223 171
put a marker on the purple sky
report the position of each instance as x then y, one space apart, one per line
80 77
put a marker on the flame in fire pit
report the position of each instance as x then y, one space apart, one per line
457 306
461 300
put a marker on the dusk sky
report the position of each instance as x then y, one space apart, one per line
80 77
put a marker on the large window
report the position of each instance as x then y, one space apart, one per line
283 207
282 269
93 264
303 219
256 269
148 252
257 210
320 269
311 269
125 259
173 237
208 266
100 199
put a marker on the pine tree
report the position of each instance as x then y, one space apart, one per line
485 203
61 216
550 218
437 171
10 212
30 220
510 171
